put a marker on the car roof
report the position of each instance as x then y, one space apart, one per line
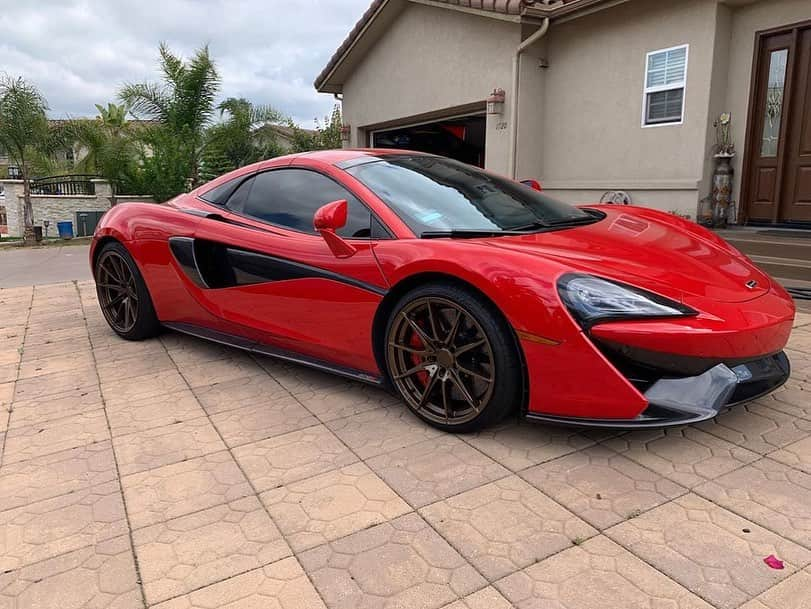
333 157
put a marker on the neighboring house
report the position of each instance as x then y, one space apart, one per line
616 95
283 135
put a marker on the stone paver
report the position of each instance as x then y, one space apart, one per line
48 385
234 367
181 488
160 446
291 457
282 585
758 427
258 421
401 563
487 598
55 474
181 555
505 526
255 390
602 487
434 469
688 456
713 552
323 508
794 400
152 412
300 379
599 574
335 403
141 388
101 576
59 406
797 455
54 526
56 435
242 482
792 593
518 446
382 430
79 363
119 369
768 493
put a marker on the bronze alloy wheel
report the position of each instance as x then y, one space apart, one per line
117 291
441 360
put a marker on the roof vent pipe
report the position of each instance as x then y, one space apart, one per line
535 37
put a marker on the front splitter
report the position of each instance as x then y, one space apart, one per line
682 401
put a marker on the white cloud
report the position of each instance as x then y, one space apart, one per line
79 52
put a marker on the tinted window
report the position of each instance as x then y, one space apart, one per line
290 198
438 194
237 200
220 194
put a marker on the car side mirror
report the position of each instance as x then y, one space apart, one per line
327 220
533 184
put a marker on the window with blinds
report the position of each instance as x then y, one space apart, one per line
665 83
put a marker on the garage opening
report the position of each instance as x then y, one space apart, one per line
458 138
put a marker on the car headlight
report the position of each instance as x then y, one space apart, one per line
592 299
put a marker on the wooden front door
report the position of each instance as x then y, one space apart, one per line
777 175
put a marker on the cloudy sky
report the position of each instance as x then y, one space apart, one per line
78 52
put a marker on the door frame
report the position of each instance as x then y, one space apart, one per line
752 136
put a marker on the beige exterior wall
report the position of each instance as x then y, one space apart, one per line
581 96
746 21
592 133
432 59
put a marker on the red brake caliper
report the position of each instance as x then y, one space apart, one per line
416 343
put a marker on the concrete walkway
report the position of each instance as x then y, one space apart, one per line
178 474
43 265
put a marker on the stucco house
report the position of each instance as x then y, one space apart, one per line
598 95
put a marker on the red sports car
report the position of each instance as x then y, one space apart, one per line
470 294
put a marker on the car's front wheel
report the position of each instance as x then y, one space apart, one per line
452 358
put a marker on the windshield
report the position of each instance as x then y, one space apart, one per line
436 194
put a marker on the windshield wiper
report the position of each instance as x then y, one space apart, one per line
535 225
574 221
468 233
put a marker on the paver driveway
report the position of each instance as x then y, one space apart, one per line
178 474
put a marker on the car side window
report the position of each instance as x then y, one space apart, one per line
236 202
290 198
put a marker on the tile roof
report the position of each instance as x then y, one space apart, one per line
506 7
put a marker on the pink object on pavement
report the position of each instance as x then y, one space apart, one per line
774 562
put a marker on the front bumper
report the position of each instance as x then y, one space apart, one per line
685 400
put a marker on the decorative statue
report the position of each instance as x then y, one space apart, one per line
723 140
722 204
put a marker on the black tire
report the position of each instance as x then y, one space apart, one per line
123 296
467 388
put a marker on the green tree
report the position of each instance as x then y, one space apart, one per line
242 137
326 136
23 132
183 105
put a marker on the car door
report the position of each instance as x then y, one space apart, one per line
263 266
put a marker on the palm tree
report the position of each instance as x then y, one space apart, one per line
241 138
23 131
183 104
110 144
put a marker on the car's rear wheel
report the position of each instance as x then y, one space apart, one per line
452 358
123 295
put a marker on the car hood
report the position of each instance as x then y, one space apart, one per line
652 250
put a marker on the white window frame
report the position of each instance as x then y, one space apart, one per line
646 90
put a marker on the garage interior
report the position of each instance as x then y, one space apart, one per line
462 138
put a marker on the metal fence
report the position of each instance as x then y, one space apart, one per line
64 185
